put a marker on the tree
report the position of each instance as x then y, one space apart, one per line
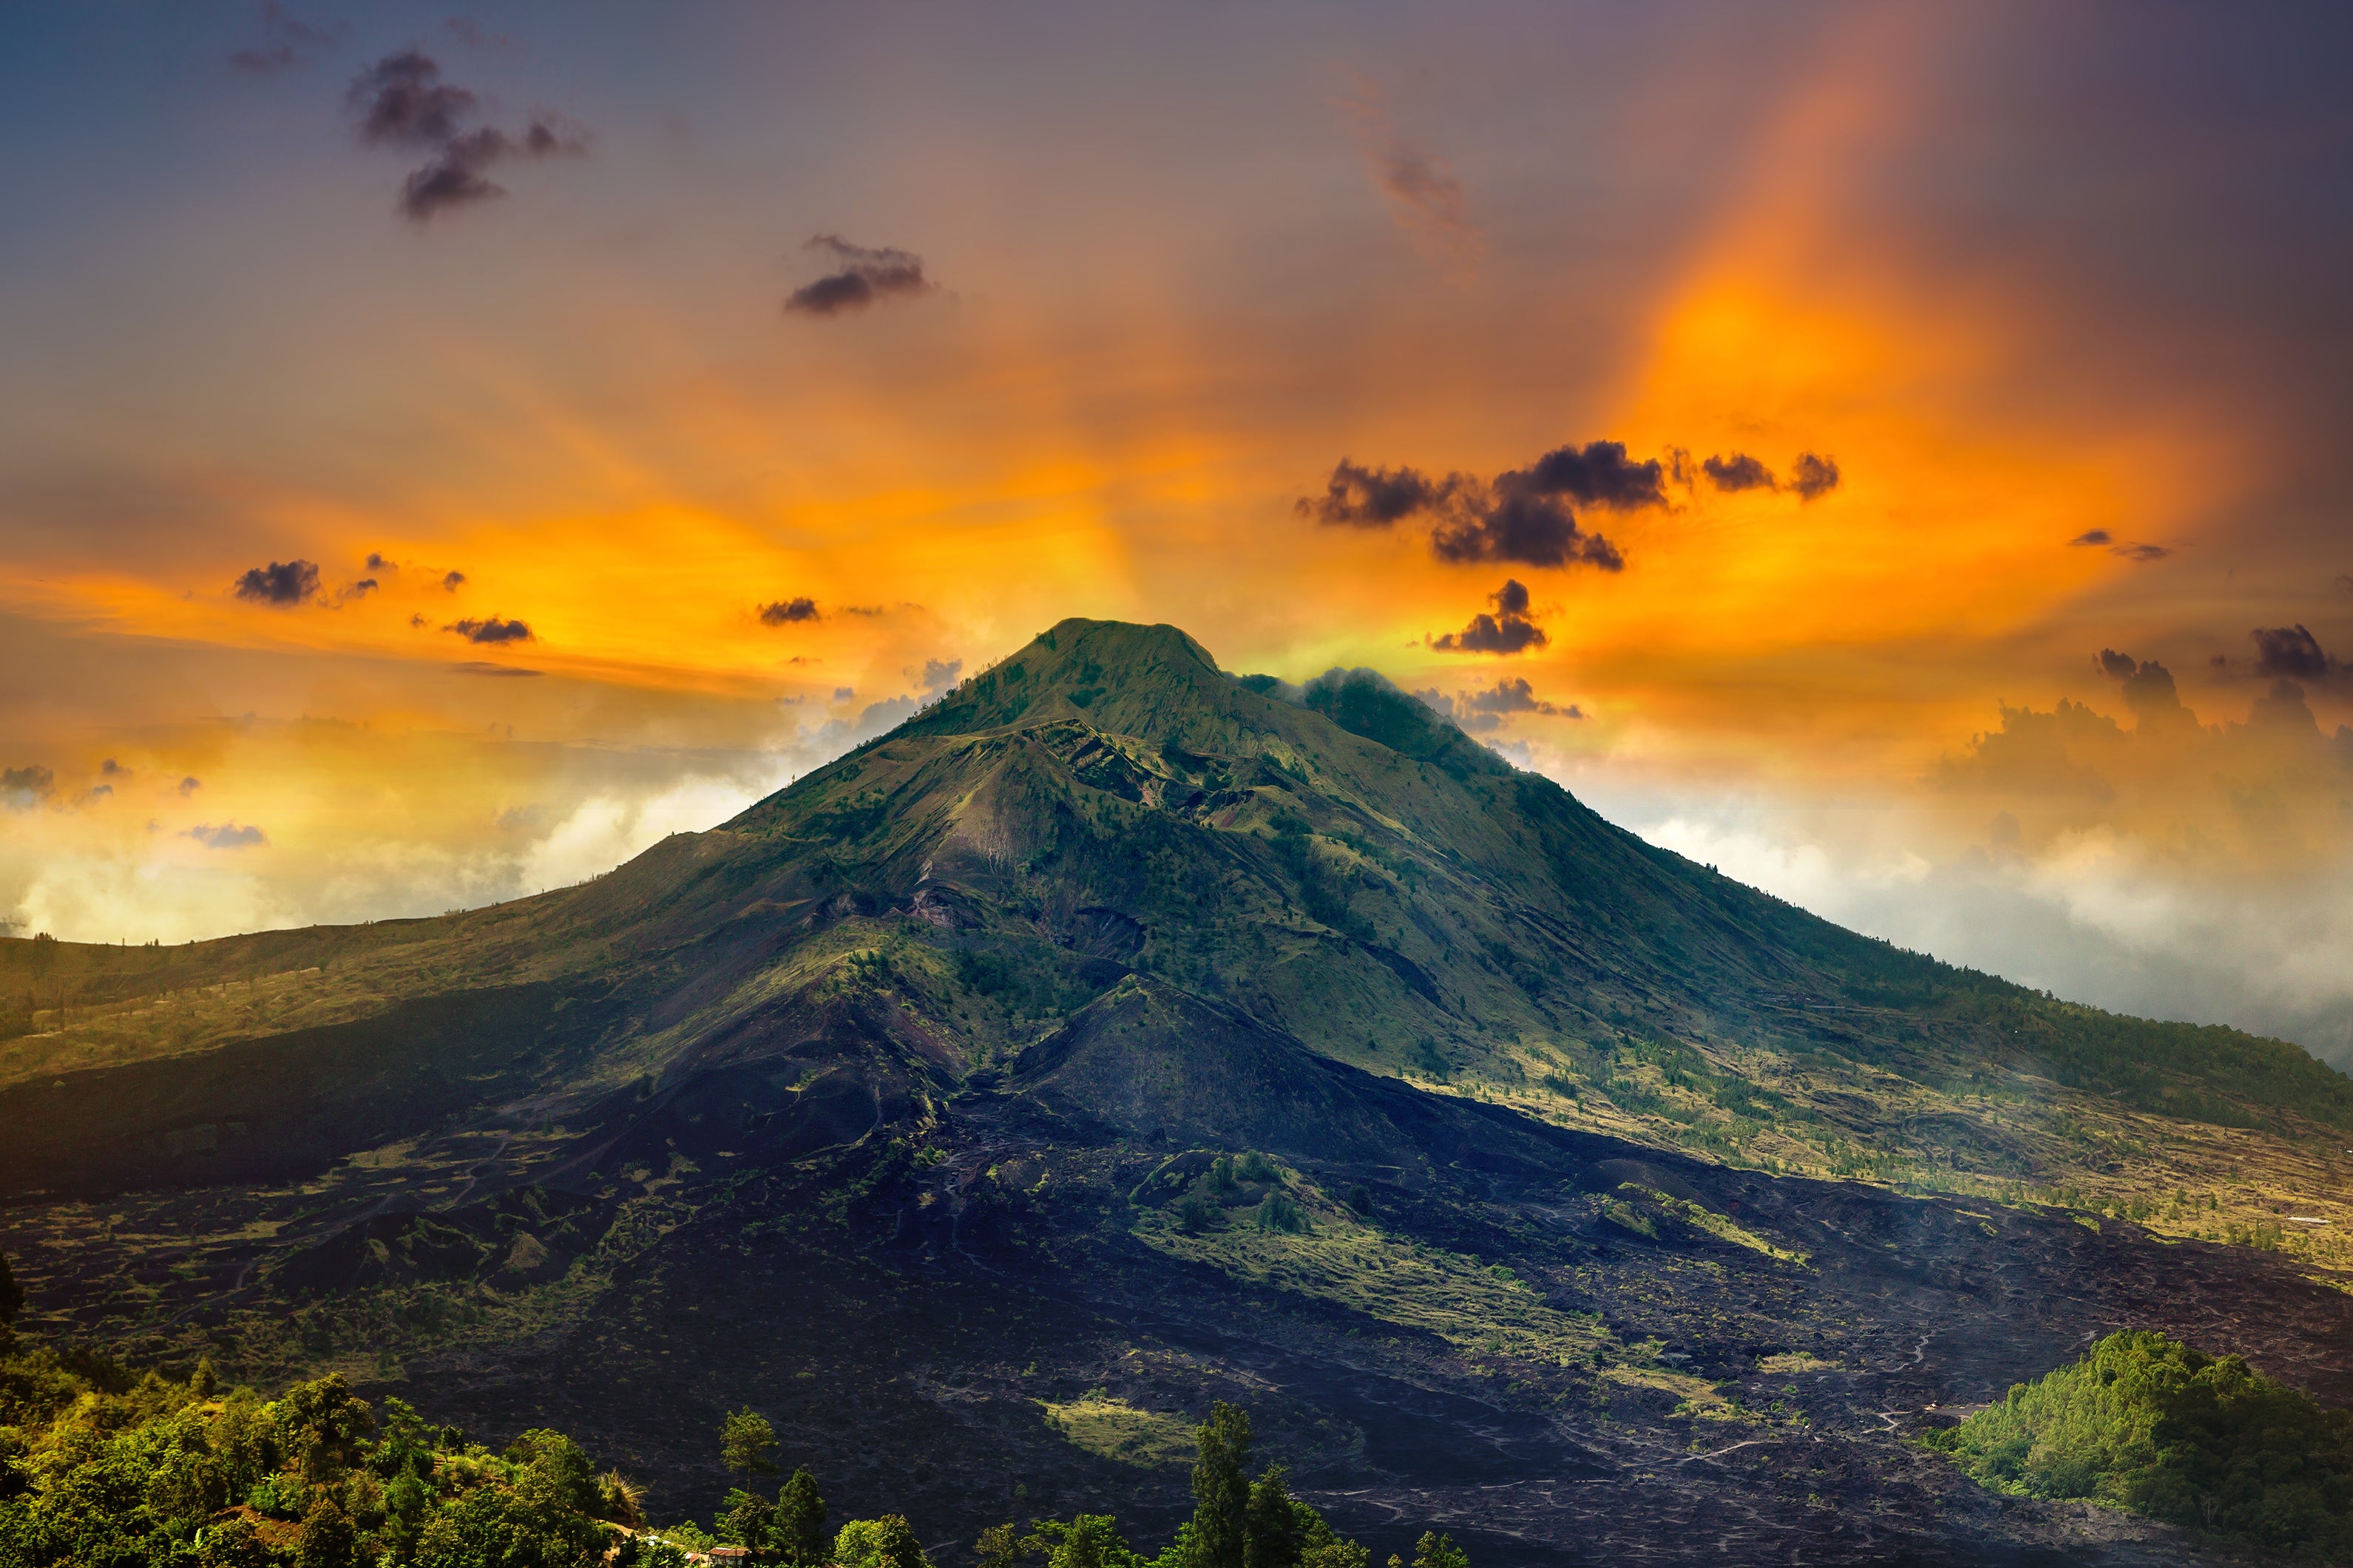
327 1540
747 1518
996 1547
1435 1550
1221 1488
800 1522
1089 1540
12 1295
885 1543
747 1444
1274 1528
322 1424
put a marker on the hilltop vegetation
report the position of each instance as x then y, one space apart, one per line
2145 1423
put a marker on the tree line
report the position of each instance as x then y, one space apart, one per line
99 1469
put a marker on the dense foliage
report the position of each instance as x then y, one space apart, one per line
2144 1422
98 1470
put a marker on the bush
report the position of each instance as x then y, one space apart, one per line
2148 1424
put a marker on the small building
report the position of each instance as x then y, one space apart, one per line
730 1556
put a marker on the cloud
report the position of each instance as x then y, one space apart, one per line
1812 476
2345 583
189 785
22 789
110 769
866 275
2148 688
785 612
1520 516
282 582
288 40
417 621
1508 631
939 675
402 101
1597 474
1359 497
1484 712
225 835
466 31
2293 653
1424 197
844 693
491 630
97 792
2101 537
477 666
1518 525
453 582
377 562
1513 697
1738 471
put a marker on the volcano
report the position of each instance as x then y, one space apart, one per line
1118 1033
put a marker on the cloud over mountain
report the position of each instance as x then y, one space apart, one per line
1509 630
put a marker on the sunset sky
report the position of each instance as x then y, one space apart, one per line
441 453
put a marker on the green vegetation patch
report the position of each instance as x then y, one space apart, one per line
1335 1256
1117 1430
2147 1423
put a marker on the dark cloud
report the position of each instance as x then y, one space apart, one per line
190 786
402 101
1507 631
365 585
1515 697
225 835
1516 525
844 693
477 666
1484 712
1812 476
288 40
22 789
1597 474
453 582
2148 688
418 622
97 792
1359 497
866 275
282 582
941 674
785 612
2101 537
377 562
492 630
457 178
1738 471
2293 653
110 769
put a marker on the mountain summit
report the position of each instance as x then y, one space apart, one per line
1117 1026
